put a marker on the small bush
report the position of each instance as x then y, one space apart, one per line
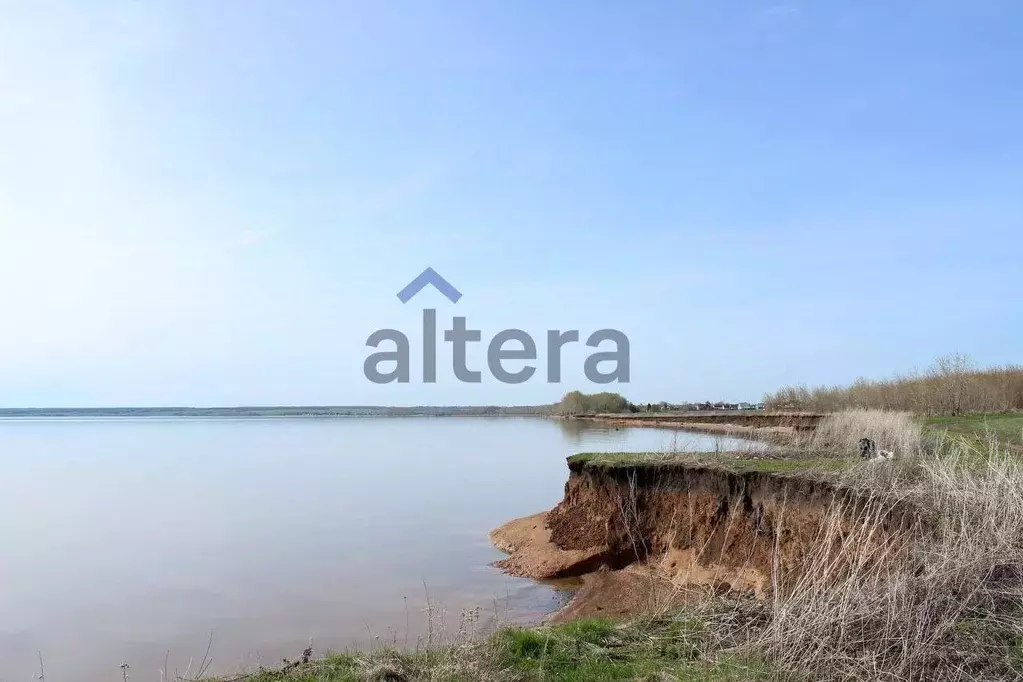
577 402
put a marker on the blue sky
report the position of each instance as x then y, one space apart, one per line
215 203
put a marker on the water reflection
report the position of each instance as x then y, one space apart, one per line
575 431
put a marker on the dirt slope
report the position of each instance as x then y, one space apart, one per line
690 525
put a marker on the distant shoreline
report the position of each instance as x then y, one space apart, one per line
326 412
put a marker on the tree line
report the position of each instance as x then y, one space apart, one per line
952 385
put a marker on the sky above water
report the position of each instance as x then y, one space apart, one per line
215 203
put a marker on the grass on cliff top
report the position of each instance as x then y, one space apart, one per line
1006 428
736 462
589 650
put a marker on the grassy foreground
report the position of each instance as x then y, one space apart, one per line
590 650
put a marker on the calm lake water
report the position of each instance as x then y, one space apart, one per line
123 540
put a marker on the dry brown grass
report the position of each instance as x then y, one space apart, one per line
945 603
839 434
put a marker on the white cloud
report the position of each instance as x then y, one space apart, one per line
781 11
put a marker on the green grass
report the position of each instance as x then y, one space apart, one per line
589 650
1007 428
598 650
726 461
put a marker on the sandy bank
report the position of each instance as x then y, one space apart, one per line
778 426
534 555
770 433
